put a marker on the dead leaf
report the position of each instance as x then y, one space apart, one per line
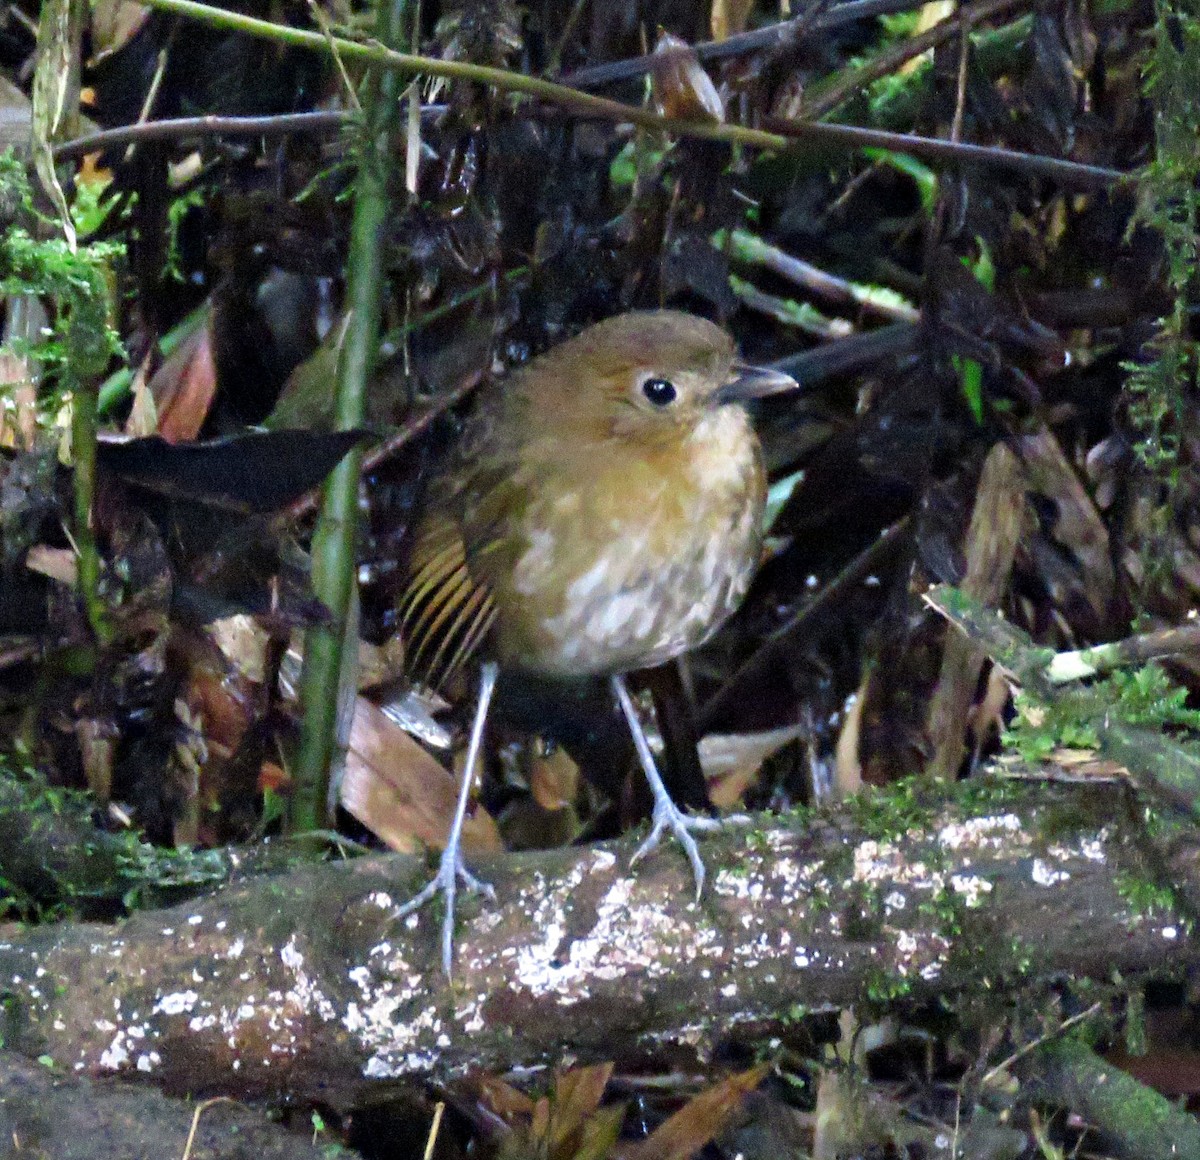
729 17
554 779
401 793
143 416
577 1096
184 386
731 761
681 87
701 1119
506 1101
114 23
848 773
57 563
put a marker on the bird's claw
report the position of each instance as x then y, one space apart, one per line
668 816
451 871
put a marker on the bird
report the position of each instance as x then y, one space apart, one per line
601 513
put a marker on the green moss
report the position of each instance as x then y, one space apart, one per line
883 987
1146 897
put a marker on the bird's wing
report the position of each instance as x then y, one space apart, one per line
444 612
448 608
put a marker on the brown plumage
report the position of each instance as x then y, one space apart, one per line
594 530
601 513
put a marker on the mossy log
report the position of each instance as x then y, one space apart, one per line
305 984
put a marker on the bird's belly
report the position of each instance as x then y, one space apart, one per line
649 591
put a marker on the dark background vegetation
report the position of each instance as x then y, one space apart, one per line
942 313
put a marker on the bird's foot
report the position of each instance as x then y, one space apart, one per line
668 816
451 871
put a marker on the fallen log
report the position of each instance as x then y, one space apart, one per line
305 984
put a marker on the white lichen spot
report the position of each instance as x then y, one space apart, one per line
236 948
971 887
729 990
116 1055
148 1061
1044 875
1090 848
981 833
176 1003
195 919
894 901
304 992
603 861
1170 933
381 899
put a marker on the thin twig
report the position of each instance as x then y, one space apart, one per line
786 32
1069 173
892 59
586 105
438 1111
747 247
1016 1056
200 1110
327 31
321 121
765 655
403 435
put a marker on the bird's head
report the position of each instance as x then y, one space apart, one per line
645 374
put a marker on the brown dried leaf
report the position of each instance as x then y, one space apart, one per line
114 23
143 415
184 386
731 761
506 1101
729 17
681 87
699 1120
577 1096
554 780
402 794
57 563
1077 526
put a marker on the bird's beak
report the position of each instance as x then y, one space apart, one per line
754 383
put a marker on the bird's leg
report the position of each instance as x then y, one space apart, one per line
451 867
667 815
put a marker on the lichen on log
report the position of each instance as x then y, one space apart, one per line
306 984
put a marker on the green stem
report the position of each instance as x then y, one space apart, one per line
335 538
518 84
522 87
83 450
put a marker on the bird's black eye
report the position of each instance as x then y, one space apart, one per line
660 392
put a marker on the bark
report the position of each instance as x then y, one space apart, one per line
1134 1122
43 1114
304 984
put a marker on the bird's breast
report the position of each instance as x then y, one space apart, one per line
634 556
